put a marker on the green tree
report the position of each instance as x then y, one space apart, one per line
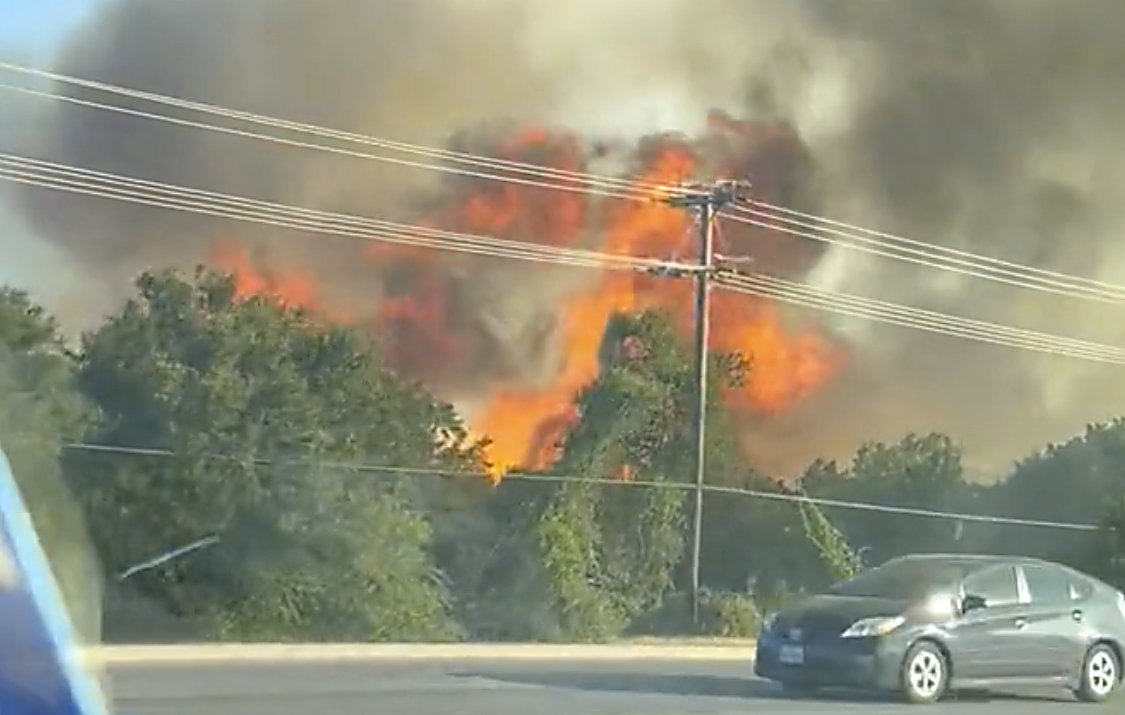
41 411
1105 552
607 554
839 558
757 543
1069 482
258 409
918 472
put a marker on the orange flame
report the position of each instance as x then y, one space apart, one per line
423 331
786 365
289 288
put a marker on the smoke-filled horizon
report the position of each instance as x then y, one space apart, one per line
980 124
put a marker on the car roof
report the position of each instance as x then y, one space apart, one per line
968 563
972 560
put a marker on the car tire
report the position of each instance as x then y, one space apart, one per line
924 676
1101 674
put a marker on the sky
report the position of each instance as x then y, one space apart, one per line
29 32
35 26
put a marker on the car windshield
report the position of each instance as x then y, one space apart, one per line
903 580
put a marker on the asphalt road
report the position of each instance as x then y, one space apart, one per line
503 688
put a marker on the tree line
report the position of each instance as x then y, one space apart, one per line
348 504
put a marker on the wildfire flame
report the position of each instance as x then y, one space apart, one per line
424 333
290 288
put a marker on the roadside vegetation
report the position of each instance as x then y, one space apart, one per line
349 504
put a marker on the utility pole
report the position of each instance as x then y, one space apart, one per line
706 201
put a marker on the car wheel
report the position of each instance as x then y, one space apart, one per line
924 675
1101 674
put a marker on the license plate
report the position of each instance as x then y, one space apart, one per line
791 655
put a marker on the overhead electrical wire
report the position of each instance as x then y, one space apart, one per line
818 229
964 257
569 185
541 172
361 467
930 321
52 175
757 213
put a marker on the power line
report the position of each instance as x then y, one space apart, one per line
361 467
784 220
51 175
934 249
931 321
569 186
1061 284
640 187
100 184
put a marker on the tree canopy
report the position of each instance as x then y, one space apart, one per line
250 407
343 502
41 411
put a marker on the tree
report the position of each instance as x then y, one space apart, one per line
837 555
918 472
756 543
1069 482
259 410
1105 552
604 555
40 412
40 363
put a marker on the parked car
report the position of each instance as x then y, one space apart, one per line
923 625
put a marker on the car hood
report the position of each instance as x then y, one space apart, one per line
836 613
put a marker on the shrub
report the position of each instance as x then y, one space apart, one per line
721 615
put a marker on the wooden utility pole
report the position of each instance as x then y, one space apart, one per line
706 201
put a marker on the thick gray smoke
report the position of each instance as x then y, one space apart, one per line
983 124
990 127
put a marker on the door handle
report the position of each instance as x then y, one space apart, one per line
1021 623
1076 615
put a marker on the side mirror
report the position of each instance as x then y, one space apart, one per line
972 602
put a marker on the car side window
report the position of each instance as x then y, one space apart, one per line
997 586
1048 585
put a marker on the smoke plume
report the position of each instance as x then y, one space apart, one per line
981 124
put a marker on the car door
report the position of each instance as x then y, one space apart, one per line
984 642
1055 635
